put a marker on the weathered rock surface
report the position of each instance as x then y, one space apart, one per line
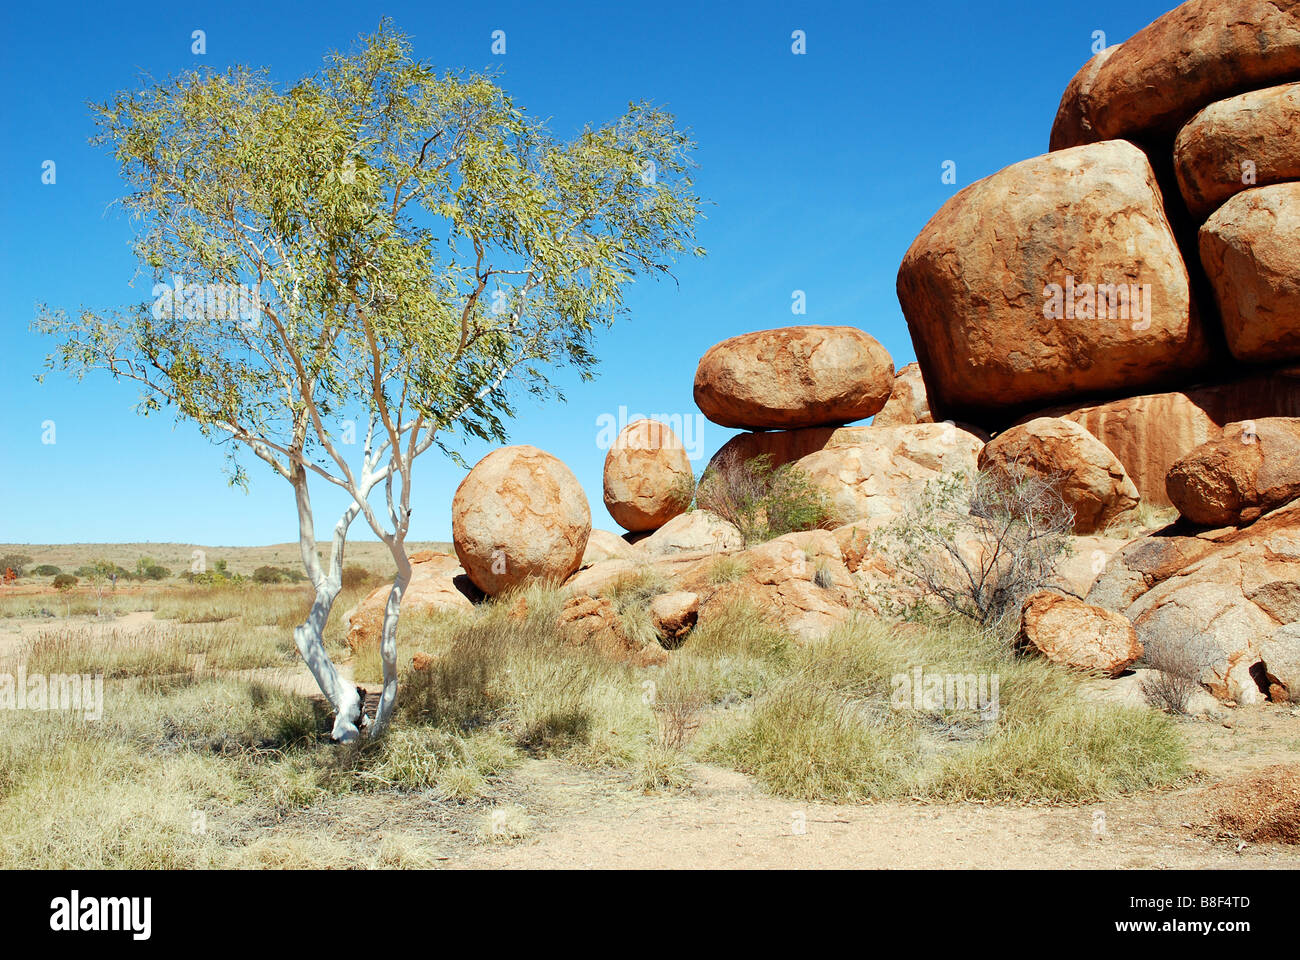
1149 433
1250 248
1093 483
873 471
674 615
1076 634
1253 467
794 377
797 581
1230 600
519 514
779 446
1000 289
648 476
594 622
1199 52
603 545
692 532
1242 142
1281 654
907 402
438 583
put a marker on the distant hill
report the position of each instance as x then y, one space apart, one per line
370 554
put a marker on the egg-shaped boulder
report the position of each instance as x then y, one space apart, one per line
519 514
648 477
794 377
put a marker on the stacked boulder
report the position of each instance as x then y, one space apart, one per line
1140 283
1127 279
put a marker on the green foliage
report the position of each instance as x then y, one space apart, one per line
268 574
146 568
415 238
761 501
65 581
46 570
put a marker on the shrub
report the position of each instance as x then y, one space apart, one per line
980 545
64 581
15 561
760 501
46 570
1177 661
355 575
146 568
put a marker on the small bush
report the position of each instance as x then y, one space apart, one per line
46 570
355 576
760 501
979 545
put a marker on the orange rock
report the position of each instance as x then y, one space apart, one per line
1253 467
907 403
794 377
1093 483
1199 52
1242 142
1000 289
647 476
437 583
1076 634
1251 251
520 514
594 622
1149 433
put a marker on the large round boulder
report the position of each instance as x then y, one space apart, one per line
1197 53
647 476
1251 251
1055 278
519 514
1253 467
794 377
1244 141
1092 481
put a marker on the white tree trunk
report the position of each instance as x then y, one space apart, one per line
309 636
388 639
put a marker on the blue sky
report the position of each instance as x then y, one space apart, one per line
820 169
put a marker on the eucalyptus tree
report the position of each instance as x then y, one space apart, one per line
379 241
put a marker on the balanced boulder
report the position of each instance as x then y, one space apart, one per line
794 377
519 514
1253 467
1076 634
648 476
1052 279
1091 480
1251 251
1245 141
1197 53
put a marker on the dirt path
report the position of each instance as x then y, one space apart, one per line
725 822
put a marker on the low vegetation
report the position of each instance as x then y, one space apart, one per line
763 502
199 727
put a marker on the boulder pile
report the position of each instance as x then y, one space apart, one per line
1120 315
